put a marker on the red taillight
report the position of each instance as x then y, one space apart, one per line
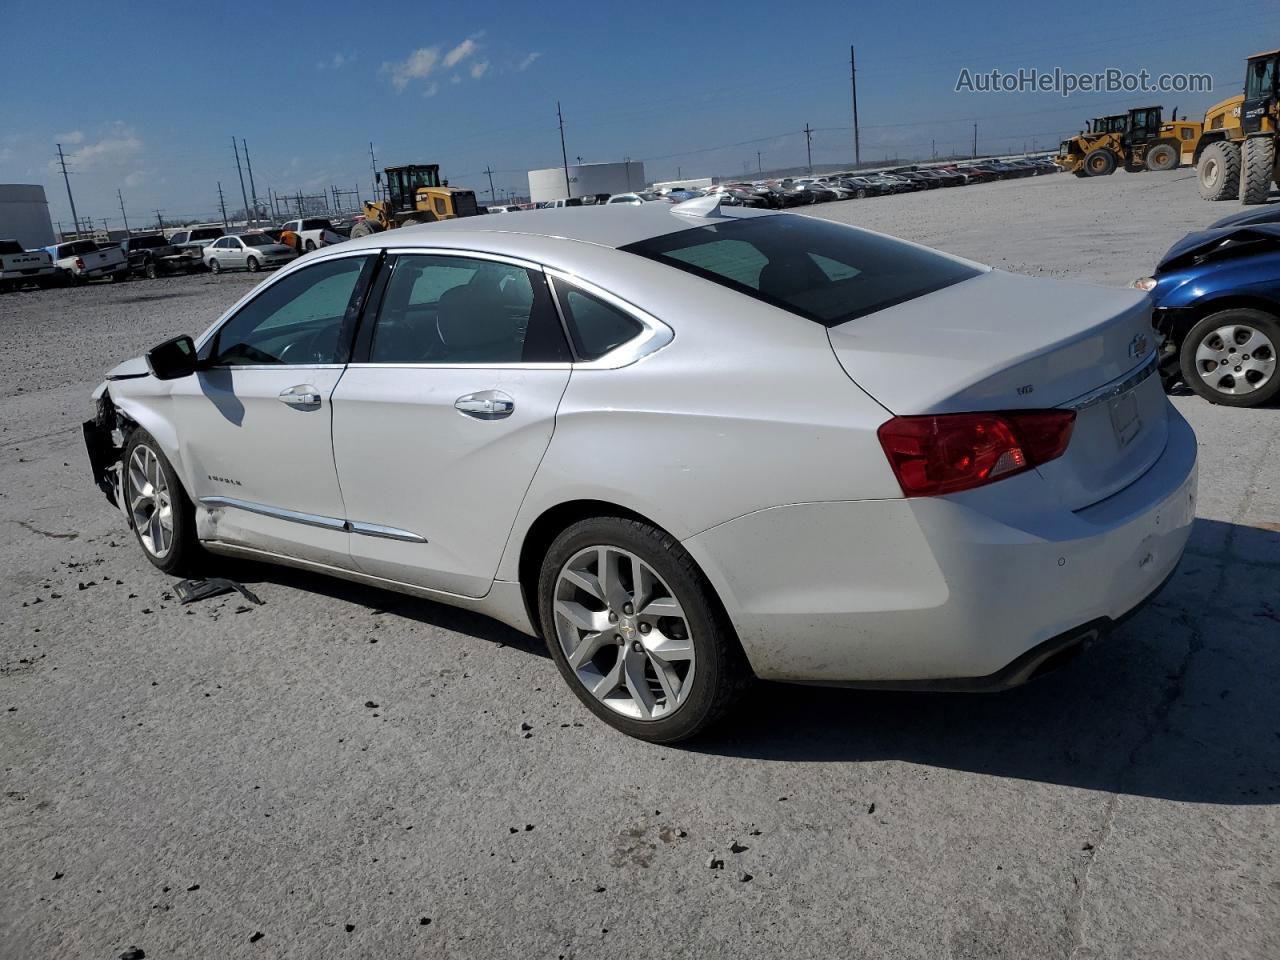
958 451
79 263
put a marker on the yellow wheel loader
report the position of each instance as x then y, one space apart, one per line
414 194
1138 140
1237 155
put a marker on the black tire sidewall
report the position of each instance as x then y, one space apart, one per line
186 548
714 668
215 267
252 265
1265 322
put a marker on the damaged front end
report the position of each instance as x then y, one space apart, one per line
104 439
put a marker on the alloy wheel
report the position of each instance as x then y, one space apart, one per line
623 632
150 504
1236 359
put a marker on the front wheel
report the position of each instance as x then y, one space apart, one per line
1162 156
1229 357
636 631
159 511
215 267
1257 161
363 229
1218 171
1100 162
309 246
151 270
253 265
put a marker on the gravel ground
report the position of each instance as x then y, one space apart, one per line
348 773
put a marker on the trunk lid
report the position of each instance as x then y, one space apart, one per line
1005 342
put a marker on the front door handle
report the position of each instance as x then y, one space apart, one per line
486 405
303 395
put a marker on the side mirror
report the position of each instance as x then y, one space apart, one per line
172 359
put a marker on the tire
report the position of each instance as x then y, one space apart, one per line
1218 171
1162 156
1100 162
151 270
1226 335
309 246
252 265
215 267
1080 173
152 495
363 229
860 194
1258 159
715 671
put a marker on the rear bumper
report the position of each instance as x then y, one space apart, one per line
946 592
29 274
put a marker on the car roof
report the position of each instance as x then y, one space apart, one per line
603 225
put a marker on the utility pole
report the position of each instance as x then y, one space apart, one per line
222 203
67 180
568 191
975 141
123 216
159 222
243 196
759 163
373 165
679 173
933 146
853 82
492 198
808 144
253 191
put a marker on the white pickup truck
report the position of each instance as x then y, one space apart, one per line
82 260
19 267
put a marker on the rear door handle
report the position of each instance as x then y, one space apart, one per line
303 395
486 405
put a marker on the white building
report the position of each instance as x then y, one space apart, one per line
24 215
585 180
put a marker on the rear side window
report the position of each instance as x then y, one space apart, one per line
10 246
597 327
820 270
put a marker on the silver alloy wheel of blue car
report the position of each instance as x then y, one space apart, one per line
1236 359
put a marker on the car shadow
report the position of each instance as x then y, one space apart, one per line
1178 703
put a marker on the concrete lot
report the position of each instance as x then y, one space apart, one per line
184 779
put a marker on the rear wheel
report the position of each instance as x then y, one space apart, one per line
1229 357
636 631
1258 158
253 265
309 245
1218 171
1162 157
1100 162
363 229
861 194
151 270
215 266
162 517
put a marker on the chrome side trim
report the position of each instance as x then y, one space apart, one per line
387 533
1116 387
315 520
310 519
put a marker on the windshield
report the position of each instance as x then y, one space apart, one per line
824 271
1261 80
256 240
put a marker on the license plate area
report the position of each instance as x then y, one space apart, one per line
1125 419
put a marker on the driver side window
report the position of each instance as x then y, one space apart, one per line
304 318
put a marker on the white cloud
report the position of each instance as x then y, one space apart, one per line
528 61
416 66
455 79
7 154
479 68
74 136
431 90
337 61
463 50
138 177
113 150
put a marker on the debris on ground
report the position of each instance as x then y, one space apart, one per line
745 877
714 863
134 953
737 847
256 937
189 591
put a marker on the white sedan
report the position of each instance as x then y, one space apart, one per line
686 446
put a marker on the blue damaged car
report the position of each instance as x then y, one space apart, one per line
1217 303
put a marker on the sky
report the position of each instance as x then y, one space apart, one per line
145 100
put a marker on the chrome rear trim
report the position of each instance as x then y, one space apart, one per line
1116 387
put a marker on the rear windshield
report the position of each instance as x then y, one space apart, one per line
11 246
256 240
77 248
820 270
315 224
147 243
206 233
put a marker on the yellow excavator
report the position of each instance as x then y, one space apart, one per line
414 194
1237 154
